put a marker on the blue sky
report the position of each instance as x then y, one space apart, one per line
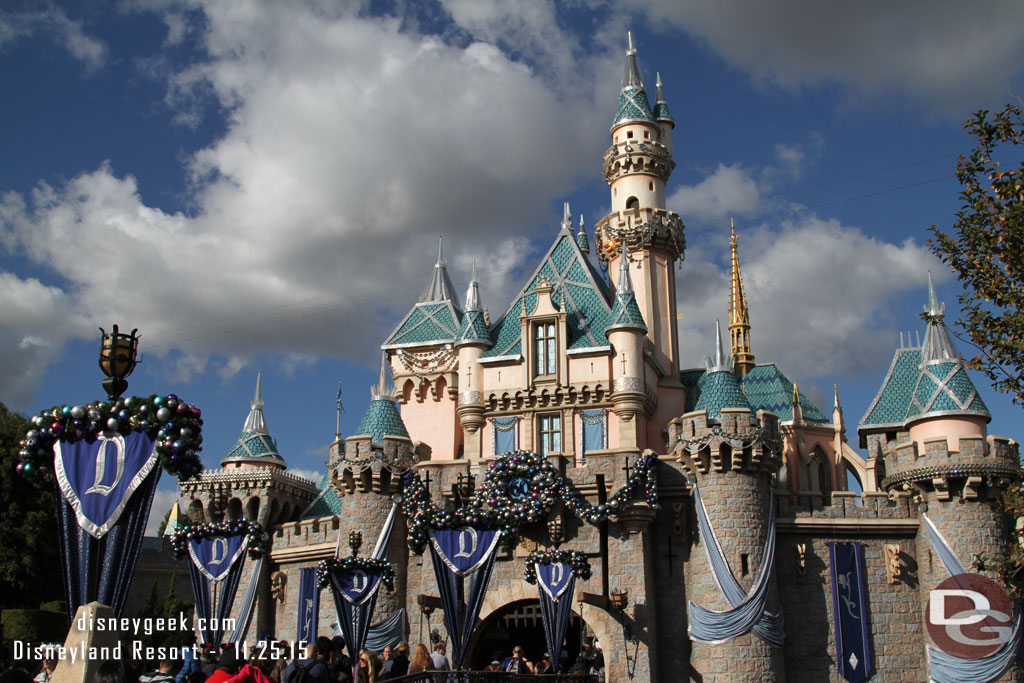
259 186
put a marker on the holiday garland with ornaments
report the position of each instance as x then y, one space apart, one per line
366 564
520 488
176 424
574 559
235 527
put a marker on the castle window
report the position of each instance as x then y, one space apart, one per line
632 204
593 430
545 360
650 186
506 434
629 134
550 433
647 135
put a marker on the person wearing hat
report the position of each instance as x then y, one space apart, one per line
544 666
227 666
495 665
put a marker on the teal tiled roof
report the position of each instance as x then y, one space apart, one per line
691 384
944 388
577 289
768 389
583 242
633 107
326 504
255 447
382 419
626 314
889 409
473 329
435 322
718 390
661 112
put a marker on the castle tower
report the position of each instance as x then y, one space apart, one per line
252 481
732 454
365 472
636 167
739 316
626 333
423 360
471 341
939 456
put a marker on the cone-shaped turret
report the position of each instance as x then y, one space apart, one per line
661 112
943 387
719 387
255 446
440 287
633 104
581 238
473 329
739 316
382 417
625 312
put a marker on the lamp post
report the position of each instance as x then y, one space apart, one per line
118 358
355 541
556 530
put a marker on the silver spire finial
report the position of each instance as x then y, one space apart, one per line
473 292
581 223
385 390
566 217
657 79
254 421
934 307
440 253
257 398
719 351
722 361
625 283
631 50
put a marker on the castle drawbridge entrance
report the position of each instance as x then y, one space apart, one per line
519 623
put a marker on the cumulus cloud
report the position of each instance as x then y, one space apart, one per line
162 503
948 54
730 190
819 295
350 146
54 23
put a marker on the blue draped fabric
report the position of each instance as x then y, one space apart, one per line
945 668
214 597
747 609
506 434
308 613
355 596
555 584
458 554
101 569
593 431
849 611
391 632
248 603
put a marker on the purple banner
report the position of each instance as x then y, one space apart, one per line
464 550
357 585
97 475
554 578
214 556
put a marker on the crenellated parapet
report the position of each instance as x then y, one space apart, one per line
631 156
737 441
360 465
642 228
266 495
982 467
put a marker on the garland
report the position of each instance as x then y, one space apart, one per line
520 488
178 428
745 439
423 364
576 560
235 527
367 564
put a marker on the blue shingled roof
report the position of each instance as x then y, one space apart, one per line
768 389
583 242
633 107
577 289
382 419
720 390
661 112
326 504
473 329
626 314
944 388
434 322
889 409
254 447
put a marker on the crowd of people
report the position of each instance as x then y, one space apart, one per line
322 661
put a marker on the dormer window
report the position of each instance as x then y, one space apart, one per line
545 358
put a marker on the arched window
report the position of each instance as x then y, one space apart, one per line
632 204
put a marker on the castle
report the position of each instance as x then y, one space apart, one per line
584 370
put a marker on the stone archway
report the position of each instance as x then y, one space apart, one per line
606 629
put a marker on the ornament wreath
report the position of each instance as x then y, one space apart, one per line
366 564
574 559
235 527
176 425
520 488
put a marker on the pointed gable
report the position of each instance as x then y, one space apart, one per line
435 318
768 389
577 289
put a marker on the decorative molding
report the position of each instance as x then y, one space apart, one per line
893 563
799 562
278 582
627 384
470 397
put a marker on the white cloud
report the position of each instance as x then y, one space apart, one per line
52 22
953 55
349 147
162 502
730 190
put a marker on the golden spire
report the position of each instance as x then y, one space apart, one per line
739 317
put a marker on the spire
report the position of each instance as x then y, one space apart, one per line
440 287
255 445
255 422
384 390
581 238
473 329
382 417
566 218
661 112
739 316
625 311
633 104
836 406
938 346
721 362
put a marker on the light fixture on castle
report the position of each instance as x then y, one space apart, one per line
118 358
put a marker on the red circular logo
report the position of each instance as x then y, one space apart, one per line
969 616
